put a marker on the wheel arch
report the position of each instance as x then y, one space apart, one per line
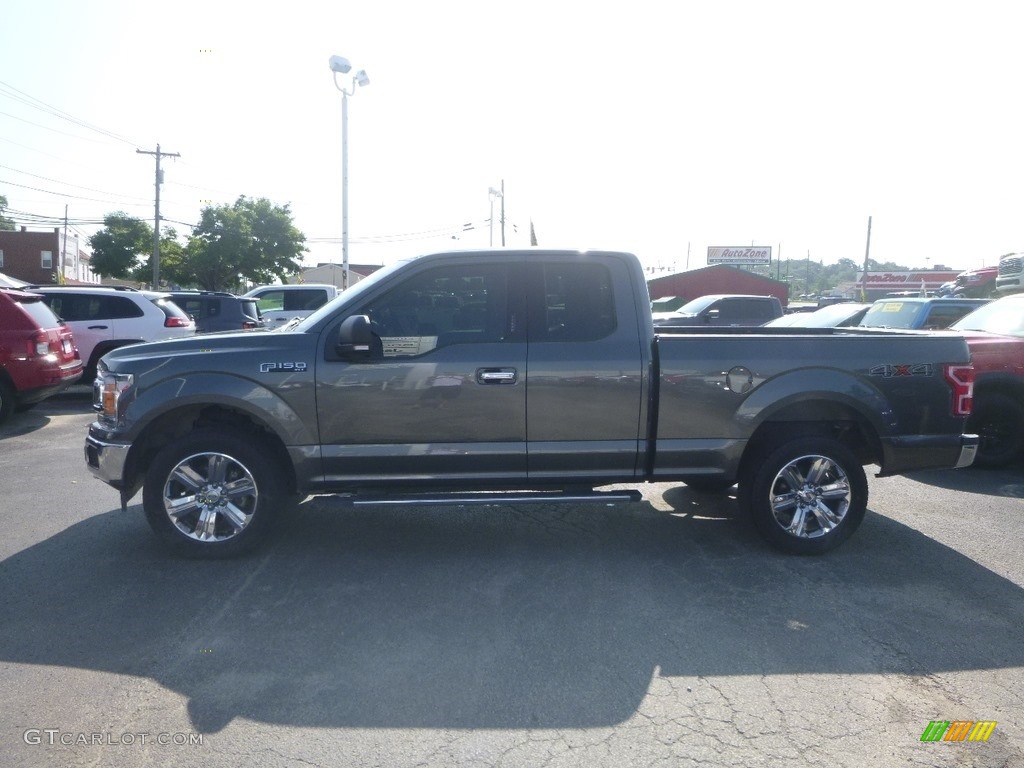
180 421
815 417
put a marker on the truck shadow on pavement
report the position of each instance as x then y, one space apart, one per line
990 482
504 617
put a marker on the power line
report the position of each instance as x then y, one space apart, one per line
42 106
63 194
66 183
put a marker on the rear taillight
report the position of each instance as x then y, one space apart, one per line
177 322
961 379
38 345
248 325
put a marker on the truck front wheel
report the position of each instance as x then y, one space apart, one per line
213 494
806 496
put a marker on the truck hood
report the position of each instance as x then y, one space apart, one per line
217 344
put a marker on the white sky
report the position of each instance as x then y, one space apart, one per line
642 126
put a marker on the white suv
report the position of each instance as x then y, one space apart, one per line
280 303
103 318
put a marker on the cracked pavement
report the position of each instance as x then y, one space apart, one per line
663 633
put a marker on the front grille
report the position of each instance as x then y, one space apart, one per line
1011 266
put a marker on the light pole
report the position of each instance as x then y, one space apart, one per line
341 65
493 193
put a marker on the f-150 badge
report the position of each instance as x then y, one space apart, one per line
282 367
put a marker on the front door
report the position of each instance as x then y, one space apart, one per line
447 400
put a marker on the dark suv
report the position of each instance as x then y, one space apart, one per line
725 309
219 311
38 357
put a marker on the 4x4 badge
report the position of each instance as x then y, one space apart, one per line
282 367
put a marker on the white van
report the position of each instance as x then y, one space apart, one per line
280 303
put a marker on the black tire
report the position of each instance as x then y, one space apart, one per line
7 401
785 490
998 420
22 407
235 475
709 484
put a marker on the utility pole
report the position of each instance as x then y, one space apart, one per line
64 250
864 277
502 213
156 218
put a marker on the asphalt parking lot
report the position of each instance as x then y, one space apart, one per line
658 633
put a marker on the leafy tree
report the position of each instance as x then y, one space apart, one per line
122 248
5 223
252 239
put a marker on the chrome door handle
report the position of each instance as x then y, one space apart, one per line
496 376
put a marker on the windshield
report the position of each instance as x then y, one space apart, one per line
351 294
696 306
830 317
1005 316
892 314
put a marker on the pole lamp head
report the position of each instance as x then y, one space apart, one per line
340 65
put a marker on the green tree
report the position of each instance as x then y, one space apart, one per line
122 248
5 223
252 239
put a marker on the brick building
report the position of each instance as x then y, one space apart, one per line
36 257
718 278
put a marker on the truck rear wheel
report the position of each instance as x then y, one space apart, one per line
806 496
213 494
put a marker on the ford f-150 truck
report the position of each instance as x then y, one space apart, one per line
525 375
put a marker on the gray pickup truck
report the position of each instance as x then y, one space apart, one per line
499 376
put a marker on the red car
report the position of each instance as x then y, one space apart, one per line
995 336
38 357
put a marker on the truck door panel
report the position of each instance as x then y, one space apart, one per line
585 385
447 400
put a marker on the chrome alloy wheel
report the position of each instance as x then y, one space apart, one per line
810 496
210 497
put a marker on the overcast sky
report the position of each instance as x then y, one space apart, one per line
655 127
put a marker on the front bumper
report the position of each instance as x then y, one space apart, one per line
913 452
106 460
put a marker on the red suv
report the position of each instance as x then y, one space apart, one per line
38 357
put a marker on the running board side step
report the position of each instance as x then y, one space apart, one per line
486 497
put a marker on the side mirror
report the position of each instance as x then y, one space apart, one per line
711 314
356 339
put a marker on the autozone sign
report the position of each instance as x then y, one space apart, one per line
761 254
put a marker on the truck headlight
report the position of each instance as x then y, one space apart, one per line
109 392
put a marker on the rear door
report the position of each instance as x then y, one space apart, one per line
585 386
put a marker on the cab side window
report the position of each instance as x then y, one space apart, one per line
466 304
579 304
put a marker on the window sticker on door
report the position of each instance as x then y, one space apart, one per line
405 346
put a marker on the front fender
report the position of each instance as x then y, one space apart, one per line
292 418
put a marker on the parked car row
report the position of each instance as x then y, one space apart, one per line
52 336
994 330
38 357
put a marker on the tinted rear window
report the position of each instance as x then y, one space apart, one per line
170 309
250 308
39 312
